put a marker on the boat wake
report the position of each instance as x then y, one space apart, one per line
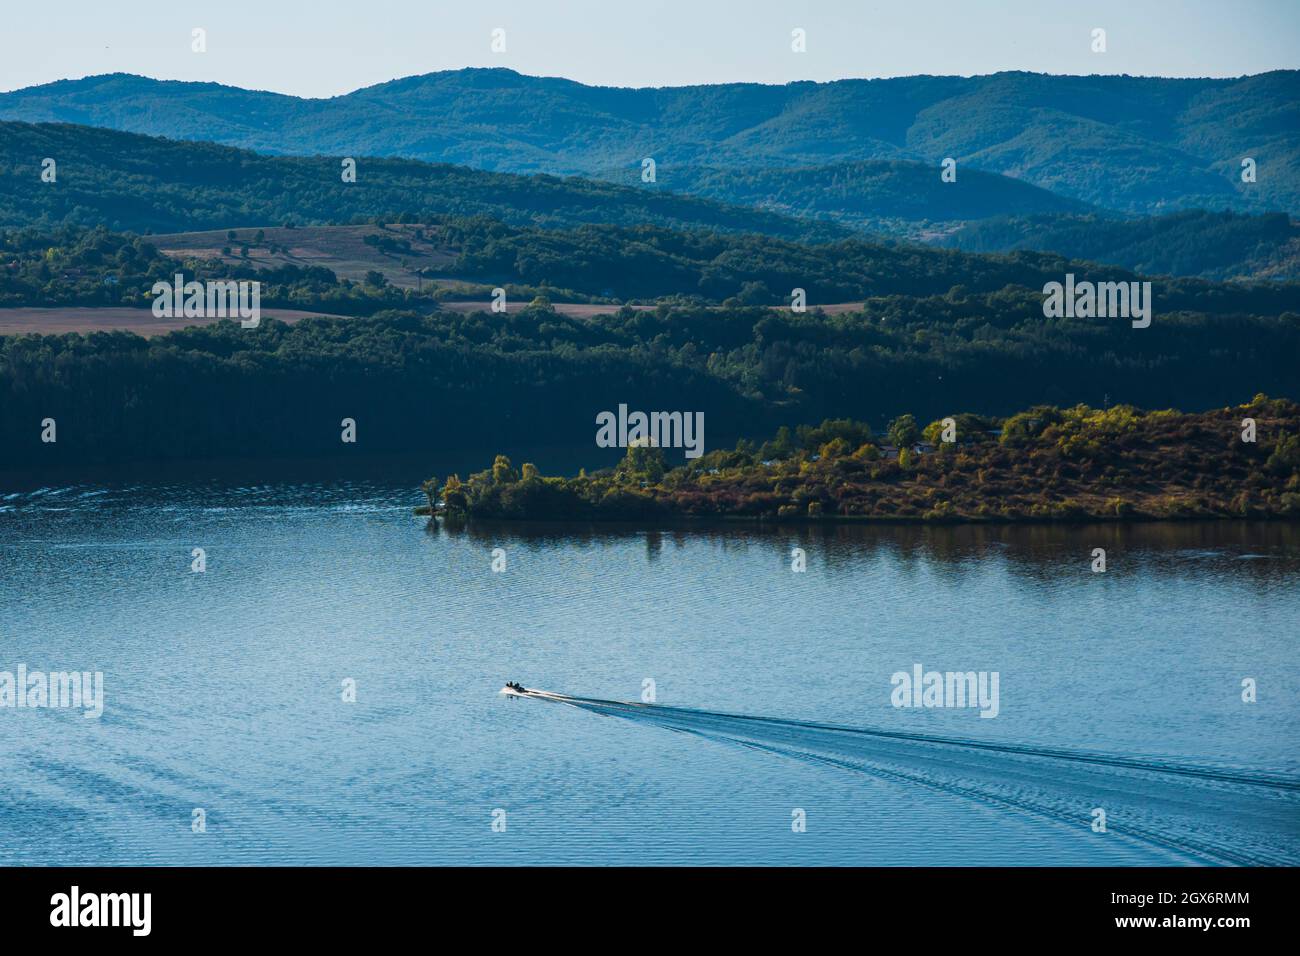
1212 814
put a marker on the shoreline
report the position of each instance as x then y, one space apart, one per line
1044 465
806 521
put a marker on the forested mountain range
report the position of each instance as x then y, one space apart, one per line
143 183
935 330
1140 145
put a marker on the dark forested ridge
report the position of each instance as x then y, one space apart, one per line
142 183
1214 245
890 197
414 383
652 262
1136 144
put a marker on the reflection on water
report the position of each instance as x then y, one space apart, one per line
1031 549
223 688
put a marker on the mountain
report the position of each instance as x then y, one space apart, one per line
1213 245
1140 145
142 183
893 197
589 237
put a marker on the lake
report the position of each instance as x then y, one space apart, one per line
773 736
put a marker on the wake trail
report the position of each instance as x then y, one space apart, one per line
1211 813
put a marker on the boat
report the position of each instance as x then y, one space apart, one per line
514 690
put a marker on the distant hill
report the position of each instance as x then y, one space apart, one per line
1135 144
892 197
141 183
1214 245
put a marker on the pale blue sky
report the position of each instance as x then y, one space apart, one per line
327 47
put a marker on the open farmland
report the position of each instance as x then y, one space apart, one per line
399 251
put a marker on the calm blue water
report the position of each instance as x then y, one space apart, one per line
223 689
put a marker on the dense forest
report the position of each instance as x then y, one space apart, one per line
1045 463
416 381
1214 245
140 183
650 262
891 197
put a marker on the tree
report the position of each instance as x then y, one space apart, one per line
1025 425
867 452
779 447
1286 456
754 293
454 499
903 432
835 448
503 472
642 463
430 489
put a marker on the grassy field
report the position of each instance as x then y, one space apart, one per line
341 249
58 321
110 318
399 251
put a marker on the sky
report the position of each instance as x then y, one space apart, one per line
327 47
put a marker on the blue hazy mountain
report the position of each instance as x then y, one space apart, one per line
1138 145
